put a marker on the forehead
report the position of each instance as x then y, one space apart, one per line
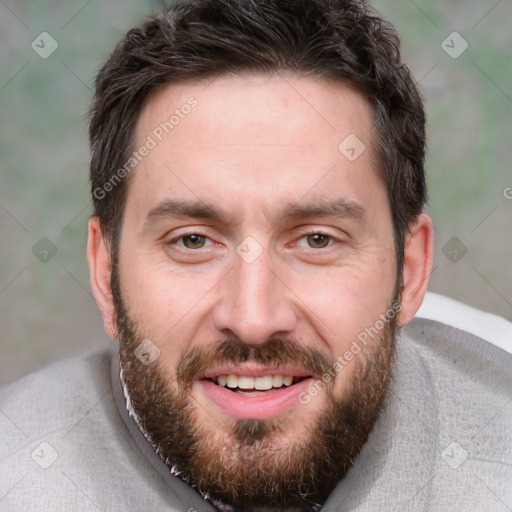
253 140
255 110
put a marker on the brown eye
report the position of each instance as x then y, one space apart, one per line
318 240
194 241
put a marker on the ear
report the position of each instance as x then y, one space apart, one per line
418 257
98 257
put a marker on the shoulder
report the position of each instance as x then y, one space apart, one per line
50 398
443 441
43 417
454 391
460 346
65 445
487 326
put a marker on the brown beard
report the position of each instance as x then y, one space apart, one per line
258 463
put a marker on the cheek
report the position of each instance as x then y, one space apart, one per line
166 305
346 302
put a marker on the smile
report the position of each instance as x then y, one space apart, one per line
252 386
254 393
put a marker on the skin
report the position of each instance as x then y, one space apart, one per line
252 145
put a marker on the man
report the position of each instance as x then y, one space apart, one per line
257 244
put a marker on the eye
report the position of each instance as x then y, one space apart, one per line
316 240
192 241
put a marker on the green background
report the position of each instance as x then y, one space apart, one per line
47 310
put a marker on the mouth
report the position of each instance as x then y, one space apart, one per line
251 393
255 386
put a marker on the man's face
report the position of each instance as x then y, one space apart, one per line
255 250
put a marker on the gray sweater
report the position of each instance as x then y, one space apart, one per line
443 443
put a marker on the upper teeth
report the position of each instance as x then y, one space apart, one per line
260 383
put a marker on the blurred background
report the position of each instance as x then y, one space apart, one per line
459 52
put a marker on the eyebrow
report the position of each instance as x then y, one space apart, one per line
318 207
185 208
338 207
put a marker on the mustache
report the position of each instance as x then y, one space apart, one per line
275 352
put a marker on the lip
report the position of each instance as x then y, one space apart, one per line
263 406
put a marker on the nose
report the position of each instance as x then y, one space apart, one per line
255 303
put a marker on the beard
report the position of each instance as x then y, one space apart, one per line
289 462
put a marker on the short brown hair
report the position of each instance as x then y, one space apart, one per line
341 40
